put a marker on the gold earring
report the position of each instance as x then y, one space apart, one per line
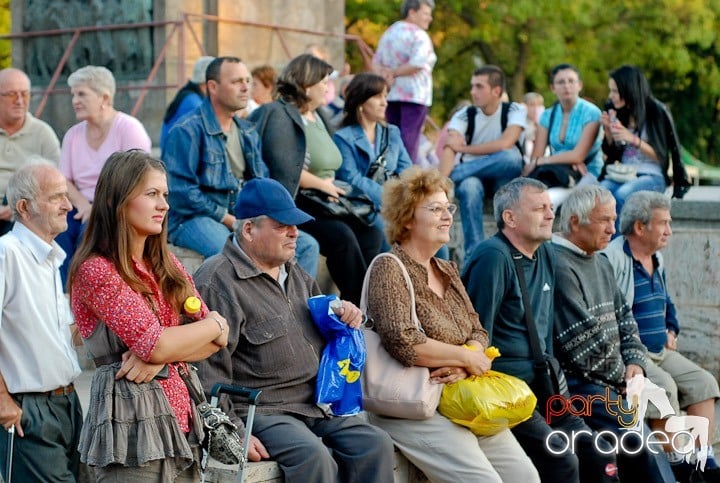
361 109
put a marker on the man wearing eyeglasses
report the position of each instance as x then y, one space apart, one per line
22 136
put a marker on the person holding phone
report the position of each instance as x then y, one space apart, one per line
639 133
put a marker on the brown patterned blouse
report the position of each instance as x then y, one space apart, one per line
450 319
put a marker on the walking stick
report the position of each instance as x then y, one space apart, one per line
11 441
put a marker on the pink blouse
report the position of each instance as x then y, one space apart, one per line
100 295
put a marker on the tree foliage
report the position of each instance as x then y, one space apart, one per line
675 42
5 47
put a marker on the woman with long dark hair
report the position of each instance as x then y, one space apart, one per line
640 133
372 150
298 149
127 293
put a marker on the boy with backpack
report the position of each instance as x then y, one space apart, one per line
484 148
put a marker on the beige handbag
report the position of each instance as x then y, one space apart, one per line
390 388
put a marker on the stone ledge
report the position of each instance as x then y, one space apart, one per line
270 472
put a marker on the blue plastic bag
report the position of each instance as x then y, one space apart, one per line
338 389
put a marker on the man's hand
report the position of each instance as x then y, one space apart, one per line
228 220
350 314
455 141
10 413
633 370
671 343
256 450
137 370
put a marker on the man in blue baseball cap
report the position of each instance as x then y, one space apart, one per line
275 346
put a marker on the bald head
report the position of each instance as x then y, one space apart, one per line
14 98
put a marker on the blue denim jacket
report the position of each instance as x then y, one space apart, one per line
199 176
357 154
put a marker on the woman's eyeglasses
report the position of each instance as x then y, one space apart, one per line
438 209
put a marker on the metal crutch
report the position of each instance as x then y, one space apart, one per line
251 395
11 443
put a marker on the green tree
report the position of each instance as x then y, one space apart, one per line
5 47
675 42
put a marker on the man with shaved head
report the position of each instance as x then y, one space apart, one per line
21 135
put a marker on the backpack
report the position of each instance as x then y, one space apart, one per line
472 111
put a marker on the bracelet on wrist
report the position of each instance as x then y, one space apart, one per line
219 323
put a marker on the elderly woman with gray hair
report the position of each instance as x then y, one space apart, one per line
101 131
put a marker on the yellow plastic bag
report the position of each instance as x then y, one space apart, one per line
489 403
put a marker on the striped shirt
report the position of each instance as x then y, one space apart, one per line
652 307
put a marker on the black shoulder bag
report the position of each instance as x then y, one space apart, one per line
377 171
549 377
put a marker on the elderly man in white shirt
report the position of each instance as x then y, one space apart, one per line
37 361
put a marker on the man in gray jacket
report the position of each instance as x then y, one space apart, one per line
640 274
275 346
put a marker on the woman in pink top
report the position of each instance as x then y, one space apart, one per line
101 131
127 293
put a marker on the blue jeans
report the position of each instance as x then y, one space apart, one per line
471 178
207 237
621 191
643 466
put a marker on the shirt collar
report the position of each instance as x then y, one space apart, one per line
564 242
40 249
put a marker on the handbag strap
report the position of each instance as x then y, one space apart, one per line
406 275
538 356
550 125
384 145
197 396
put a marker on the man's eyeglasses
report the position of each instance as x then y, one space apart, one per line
13 95
438 209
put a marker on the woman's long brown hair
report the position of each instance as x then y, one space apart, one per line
108 231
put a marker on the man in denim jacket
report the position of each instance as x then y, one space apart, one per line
209 154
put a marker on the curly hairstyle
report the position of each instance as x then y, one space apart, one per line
403 194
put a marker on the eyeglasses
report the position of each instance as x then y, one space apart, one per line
13 95
438 209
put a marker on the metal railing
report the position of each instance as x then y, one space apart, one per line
177 29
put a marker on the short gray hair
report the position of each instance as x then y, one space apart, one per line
237 226
639 207
97 78
508 196
408 5
580 203
24 183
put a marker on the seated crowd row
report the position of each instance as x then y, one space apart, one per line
254 328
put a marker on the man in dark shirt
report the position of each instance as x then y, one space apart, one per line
524 216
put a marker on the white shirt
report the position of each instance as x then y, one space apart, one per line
36 352
488 128
406 43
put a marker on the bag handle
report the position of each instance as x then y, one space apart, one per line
406 275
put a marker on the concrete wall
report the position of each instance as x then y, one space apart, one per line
693 270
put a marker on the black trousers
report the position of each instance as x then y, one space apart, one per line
586 465
349 247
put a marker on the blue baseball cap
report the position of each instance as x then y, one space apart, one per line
265 196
